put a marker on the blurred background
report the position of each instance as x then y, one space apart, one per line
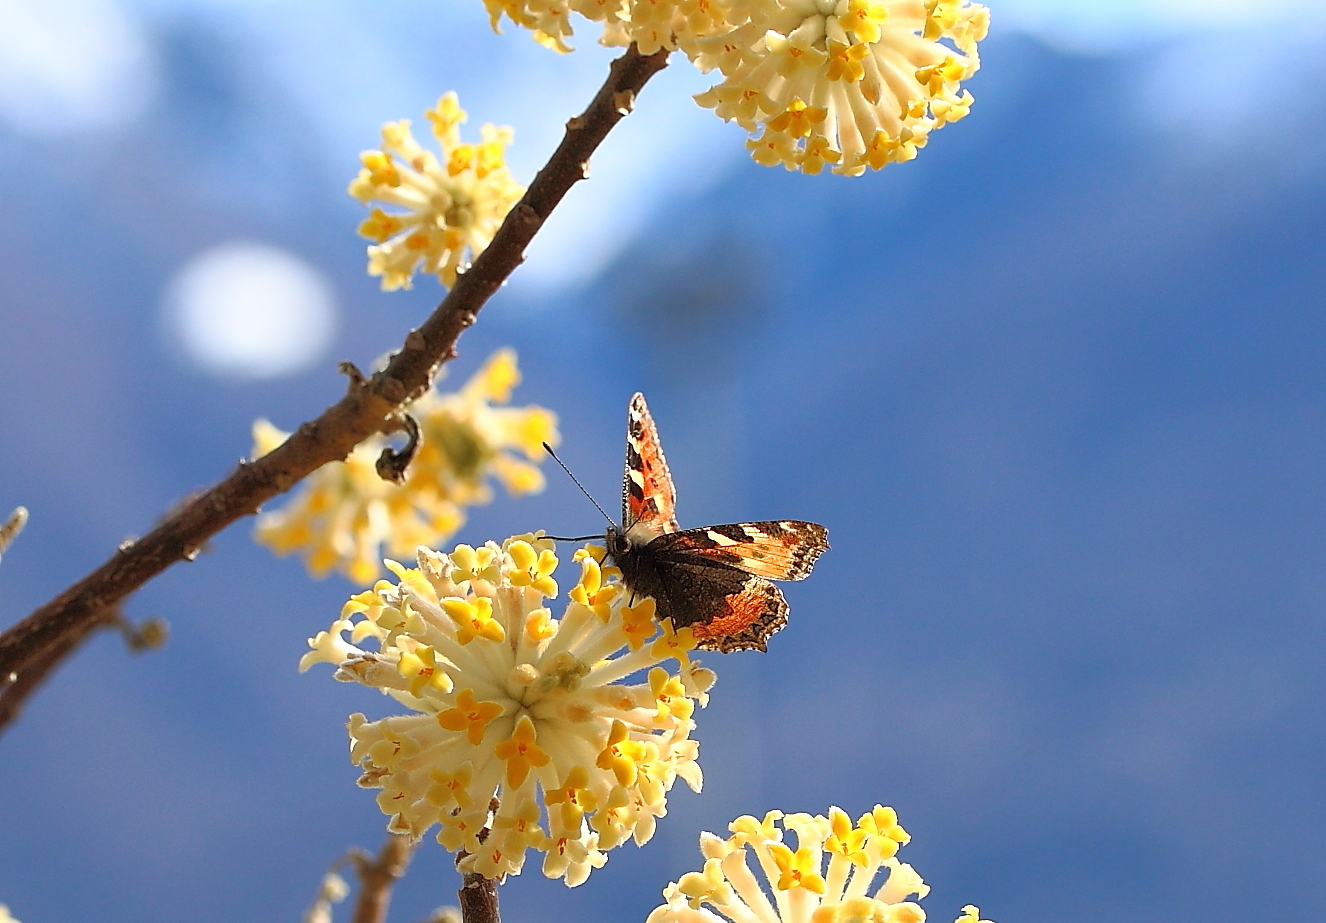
1056 388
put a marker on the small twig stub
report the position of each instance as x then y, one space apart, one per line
10 528
393 463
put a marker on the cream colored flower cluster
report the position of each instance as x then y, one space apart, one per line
803 886
846 84
651 24
451 206
344 514
523 731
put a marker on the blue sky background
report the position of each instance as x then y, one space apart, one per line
1056 388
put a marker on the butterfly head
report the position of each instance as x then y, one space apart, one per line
618 542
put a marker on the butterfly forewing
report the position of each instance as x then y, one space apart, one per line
649 499
784 549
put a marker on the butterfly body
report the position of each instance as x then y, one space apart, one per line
714 580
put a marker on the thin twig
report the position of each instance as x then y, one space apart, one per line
10 528
361 413
331 891
478 895
377 878
478 899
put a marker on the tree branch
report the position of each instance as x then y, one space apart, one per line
361 413
34 672
148 635
377 878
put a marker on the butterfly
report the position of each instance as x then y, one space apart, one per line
714 580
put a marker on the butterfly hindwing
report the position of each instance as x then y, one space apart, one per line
726 610
649 499
747 621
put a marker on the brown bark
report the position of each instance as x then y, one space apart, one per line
379 876
369 407
35 671
478 899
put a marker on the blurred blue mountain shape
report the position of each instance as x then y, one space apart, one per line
1056 387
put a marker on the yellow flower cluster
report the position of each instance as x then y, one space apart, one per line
345 513
651 24
804 888
522 733
846 84
551 21
452 205
850 85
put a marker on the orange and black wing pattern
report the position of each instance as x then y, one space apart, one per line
649 499
715 580
784 549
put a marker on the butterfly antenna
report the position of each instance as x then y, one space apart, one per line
582 490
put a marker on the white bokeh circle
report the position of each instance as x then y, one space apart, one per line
68 66
249 310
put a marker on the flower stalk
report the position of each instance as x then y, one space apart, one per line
478 899
378 876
